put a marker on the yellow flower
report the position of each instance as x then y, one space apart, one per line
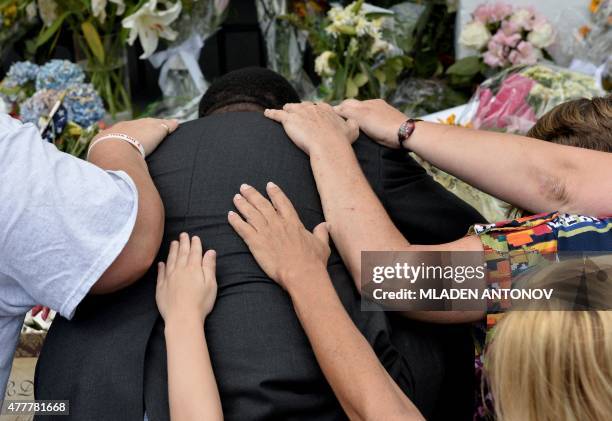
9 13
594 7
584 30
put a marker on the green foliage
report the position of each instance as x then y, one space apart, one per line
93 40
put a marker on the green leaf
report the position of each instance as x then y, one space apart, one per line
468 66
380 75
93 40
360 79
47 33
352 90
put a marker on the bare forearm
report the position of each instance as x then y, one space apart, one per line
143 245
362 385
357 218
535 175
359 222
192 387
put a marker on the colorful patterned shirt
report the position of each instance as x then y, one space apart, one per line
512 247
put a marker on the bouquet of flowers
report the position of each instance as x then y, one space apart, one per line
511 102
16 17
102 28
285 44
588 47
503 36
514 99
56 99
355 55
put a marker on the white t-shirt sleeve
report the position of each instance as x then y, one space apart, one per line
64 220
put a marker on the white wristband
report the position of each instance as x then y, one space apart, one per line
118 136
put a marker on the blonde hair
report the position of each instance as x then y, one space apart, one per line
552 366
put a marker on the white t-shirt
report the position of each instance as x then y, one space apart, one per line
63 221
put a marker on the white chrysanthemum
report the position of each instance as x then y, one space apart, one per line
475 35
323 65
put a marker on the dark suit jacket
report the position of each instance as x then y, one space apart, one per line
110 360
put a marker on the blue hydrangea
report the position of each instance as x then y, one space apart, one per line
38 105
84 105
59 74
21 73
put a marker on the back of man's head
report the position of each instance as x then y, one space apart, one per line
247 89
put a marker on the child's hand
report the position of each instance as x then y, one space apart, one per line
186 285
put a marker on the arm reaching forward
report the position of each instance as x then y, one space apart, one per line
358 220
186 293
297 259
529 173
143 245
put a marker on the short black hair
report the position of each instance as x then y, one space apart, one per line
251 85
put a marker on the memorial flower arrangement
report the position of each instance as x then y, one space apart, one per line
513 100
355 56
103 28
503 36
55 98
16 17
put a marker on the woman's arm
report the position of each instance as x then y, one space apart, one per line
529 173
142 247
357 219
297 259
186 292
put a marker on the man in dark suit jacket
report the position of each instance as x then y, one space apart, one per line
110 361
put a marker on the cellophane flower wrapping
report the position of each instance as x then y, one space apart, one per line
589 38
511 102
285 44
515 98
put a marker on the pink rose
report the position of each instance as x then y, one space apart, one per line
523 18
501 11
509 27
494 56
483 13
510 40
524 54
508 109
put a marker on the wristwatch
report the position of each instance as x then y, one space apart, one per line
406 130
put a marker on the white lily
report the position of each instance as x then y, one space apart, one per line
150 24
98 8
